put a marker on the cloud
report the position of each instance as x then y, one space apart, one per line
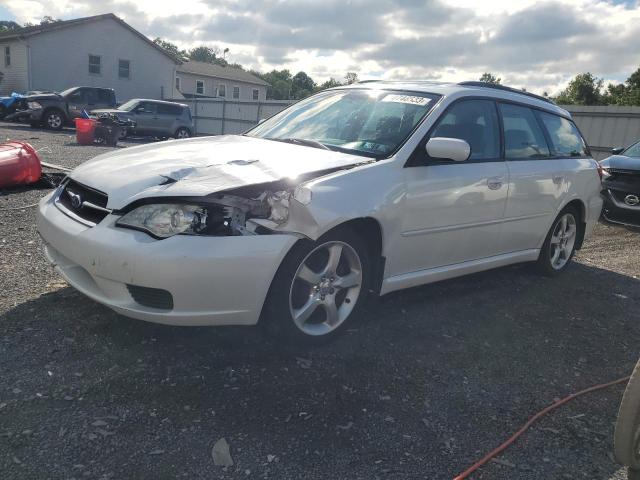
539 45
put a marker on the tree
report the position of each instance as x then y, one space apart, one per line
302 85
331 83
488 77
583 89
171 48
351 77
207 54
7 25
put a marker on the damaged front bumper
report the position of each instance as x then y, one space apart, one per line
181 280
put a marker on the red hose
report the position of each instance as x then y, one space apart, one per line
526 426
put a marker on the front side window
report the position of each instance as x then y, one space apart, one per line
632 151
523 136
566 140
77 97
199 87
7 56
256 93
372 123
94 65
123 69
222 90
476 122
236 92
147 107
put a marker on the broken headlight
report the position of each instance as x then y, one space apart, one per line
166 219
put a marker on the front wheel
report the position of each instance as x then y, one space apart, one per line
319 289
182 132
560 244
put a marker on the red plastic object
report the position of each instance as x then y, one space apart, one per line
19 164
85 130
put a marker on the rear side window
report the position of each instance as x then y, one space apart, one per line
476 122
173 110
523 136
566 140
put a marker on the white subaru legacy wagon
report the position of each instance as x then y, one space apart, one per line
358 190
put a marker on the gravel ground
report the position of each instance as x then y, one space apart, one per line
435 377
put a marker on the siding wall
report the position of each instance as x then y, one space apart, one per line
60 59
188 86
606 127
15 75
216 116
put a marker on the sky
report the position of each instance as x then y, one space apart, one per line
539 45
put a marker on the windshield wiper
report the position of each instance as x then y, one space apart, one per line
303 141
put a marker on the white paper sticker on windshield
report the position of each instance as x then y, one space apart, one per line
410 99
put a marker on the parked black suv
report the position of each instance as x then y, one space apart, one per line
54 110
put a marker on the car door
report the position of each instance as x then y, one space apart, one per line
145 118
77 101
536 178
454 210
168 116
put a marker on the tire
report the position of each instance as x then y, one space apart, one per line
123 134
3 111
182 132
319 308
626 441
559 246
53 119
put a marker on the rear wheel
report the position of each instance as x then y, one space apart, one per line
182 132
319 289
560 245
626 439
53 119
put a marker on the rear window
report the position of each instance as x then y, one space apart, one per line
165 109
566 140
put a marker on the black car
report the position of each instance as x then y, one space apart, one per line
621 186
54 110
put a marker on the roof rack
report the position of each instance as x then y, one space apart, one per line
506 89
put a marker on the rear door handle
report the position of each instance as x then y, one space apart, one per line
494 183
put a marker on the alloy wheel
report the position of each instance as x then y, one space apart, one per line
325 288
54 120
563 239
183 133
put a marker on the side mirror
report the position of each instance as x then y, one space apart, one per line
454 149
617 150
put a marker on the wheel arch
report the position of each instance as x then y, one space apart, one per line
53 108
582 211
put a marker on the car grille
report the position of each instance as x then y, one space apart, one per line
151 297
83 203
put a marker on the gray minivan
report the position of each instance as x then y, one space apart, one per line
154 118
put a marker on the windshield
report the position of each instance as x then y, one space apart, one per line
633 151
372 123
128 106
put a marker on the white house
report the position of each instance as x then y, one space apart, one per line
99 51
196 79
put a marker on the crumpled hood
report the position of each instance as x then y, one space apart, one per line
200 166
621 162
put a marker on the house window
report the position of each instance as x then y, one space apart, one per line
123 69
236 92
199 87
7 56
256 93
94 65
178 83
222 90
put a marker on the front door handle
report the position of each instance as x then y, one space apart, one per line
494 183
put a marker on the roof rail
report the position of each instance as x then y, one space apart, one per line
506 89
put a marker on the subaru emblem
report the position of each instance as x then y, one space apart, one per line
76 200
